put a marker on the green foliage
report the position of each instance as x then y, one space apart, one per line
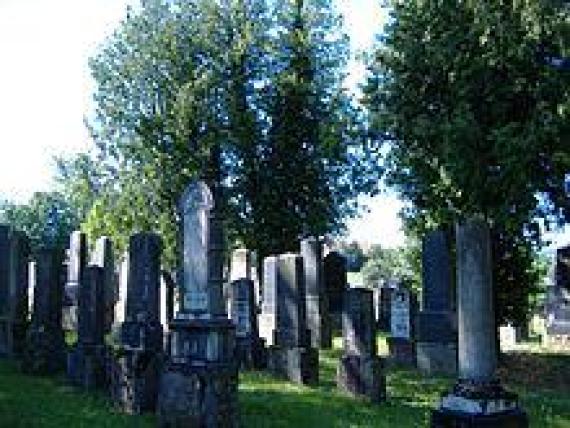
354 254
48 219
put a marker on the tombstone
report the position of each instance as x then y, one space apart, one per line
120 304
167 286
557 307
45 344
104 258
86 363
334 272
401 340
383 305
283 320
477 399
318 318
244 265
199 381
138 348
436 335
76 262
508 337
360 370
250 347
14 252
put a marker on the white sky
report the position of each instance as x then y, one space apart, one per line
45 91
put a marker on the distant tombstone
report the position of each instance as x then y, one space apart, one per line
76 263
401 341
86 364
167 286
243 312
135 371
335 279
120 304
104 258
316 298
557 307
507 337
384 302
199 381
284 320
360 371
436 334
14 252
45 345
244 265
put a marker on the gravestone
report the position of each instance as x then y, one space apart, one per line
477 399
283 320
318 318
243 312
14 252
86 363
244 265
120 304
138 348
76 263
508 337
104 258
167 286
45 345
335 279
557 307
436 335
401 340
384 305
199 382
360 371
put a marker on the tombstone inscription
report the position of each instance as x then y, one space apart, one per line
401 341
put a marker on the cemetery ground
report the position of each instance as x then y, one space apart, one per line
542 379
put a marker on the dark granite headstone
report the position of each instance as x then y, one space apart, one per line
284 320
76 263
45 345
14 252
436 334
318 318
104 258
360 371
135 370
385 306
335 279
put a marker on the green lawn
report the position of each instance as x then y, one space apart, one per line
27 401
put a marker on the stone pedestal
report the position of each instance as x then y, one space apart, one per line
478 399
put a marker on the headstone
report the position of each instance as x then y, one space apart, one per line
384 305
135 370
335 278
167 286
199 381
283 320
477 399
318 318
76 263
401 341
45 345
360 371
436 335
244 265
243 312
508 337
14 252
86 363
557 306
120 305
104 258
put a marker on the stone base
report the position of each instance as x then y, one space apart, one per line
362 376
134 377
402 351
251 353
449 419
44 351
300 365
557 342
86 367
433 357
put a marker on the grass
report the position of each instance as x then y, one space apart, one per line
541 379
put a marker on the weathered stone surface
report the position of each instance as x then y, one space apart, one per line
76 263
316 298
45 346
557 307
334 271
360 371
385 307
103 257
401 341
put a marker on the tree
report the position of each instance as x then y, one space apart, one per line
476 121
384 264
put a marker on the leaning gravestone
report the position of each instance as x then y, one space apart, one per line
335 282
45 345
199 382
317 308
557 306
477 399
76 263
283 320
360 370
86 363
436 335
401 341
14 252
243 312
138 348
